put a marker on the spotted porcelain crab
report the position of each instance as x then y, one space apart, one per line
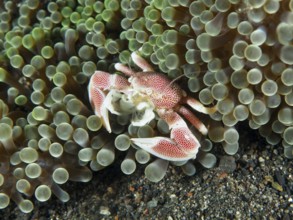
149 92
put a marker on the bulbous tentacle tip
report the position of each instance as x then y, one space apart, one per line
164 148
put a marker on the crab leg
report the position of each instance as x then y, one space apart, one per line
124 69
141 63
193 120
196 105
181 146
100 83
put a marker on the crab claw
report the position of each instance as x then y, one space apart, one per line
164 148
181 146
100 83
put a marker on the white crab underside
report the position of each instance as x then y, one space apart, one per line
122 104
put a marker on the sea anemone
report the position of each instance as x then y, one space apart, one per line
236 55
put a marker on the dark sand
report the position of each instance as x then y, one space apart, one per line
261 187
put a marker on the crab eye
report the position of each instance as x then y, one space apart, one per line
130 79
148 91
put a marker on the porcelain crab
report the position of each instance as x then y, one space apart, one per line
148 92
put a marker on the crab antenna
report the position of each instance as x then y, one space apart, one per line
173 81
